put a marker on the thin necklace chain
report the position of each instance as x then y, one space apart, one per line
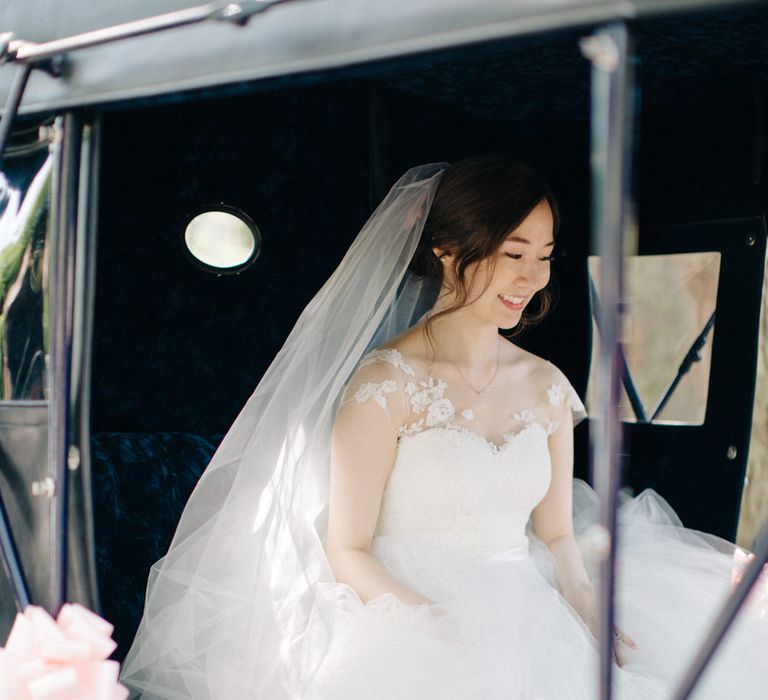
493 376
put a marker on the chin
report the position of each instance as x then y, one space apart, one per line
509 324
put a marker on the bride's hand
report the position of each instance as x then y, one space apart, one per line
619 650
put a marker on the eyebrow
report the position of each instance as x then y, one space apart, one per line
520 239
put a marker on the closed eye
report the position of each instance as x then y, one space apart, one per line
517 256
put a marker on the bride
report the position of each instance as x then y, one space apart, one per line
393 514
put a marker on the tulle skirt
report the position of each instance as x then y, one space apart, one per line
500 628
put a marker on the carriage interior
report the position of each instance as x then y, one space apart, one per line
176 349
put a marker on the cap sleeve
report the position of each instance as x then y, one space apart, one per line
563 398
377 385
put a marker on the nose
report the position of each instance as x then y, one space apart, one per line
532 274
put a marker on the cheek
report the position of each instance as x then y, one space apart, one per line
542 276
478 277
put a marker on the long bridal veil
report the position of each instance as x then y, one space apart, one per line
228 607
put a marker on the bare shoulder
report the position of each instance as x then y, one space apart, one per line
396 357
410 346
522 363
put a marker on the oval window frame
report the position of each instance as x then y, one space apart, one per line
233 211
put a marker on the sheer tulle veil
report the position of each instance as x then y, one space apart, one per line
229 607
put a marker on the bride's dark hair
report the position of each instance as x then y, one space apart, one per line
478 202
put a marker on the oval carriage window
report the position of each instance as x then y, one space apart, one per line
222 239
667 338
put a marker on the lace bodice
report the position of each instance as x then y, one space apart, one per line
468 468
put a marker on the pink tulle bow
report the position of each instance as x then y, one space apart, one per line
62 659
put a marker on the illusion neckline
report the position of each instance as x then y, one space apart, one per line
509 438
409 364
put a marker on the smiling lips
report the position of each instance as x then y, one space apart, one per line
512 302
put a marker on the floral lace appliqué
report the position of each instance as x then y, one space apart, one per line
428 395
376 391
394 357
525 416
555 394
424 393
439 411
433 409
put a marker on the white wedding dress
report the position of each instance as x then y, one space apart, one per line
454 526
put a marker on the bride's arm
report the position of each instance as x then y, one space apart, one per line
363 450
552 522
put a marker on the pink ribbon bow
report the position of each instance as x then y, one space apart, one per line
62 659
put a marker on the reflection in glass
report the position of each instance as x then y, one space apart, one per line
23 277
668 327
225 239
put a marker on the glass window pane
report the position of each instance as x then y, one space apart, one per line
24 214
669 312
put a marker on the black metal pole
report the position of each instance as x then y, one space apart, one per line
610 51
61 320
234 12
626 374
693 355
12 106
82 348
11 561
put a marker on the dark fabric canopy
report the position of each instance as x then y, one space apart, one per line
290 38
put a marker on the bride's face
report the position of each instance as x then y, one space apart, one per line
522 268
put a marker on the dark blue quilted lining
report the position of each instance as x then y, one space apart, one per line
141 482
